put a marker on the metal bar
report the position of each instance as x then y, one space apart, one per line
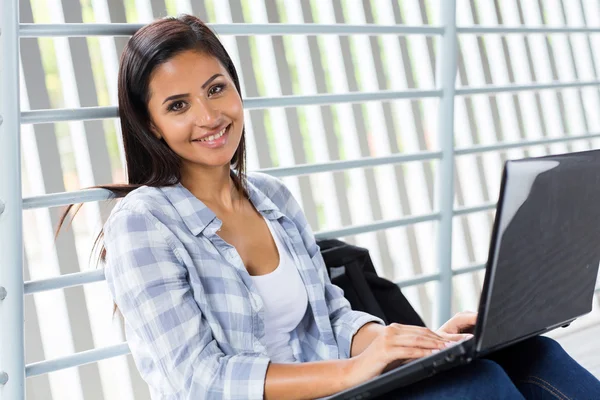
335 98
468 269
12 346
89 195
492 89
65 198
123 29
52 30
68 114
502 30
349 164
421 279
475 209
524 143
446 76
418 280
256 103
376 226
77 359
63 281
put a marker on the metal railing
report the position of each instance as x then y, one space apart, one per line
13 370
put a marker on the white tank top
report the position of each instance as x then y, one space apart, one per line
285 301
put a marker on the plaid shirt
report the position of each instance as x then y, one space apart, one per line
193 318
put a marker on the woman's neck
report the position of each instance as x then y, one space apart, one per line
214 187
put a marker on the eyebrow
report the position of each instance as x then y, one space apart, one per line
184 95
212 78
176 97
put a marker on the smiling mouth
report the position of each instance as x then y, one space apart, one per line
213 137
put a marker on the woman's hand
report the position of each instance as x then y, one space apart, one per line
459 327
394 345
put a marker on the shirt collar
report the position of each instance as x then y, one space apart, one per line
197 216
262 202
194 213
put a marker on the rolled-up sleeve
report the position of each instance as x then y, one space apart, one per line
345 322
169 338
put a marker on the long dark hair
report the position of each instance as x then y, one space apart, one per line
150 162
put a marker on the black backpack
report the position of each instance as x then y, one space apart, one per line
350 267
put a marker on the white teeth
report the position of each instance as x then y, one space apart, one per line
213 137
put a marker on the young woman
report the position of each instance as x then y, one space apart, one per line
217 274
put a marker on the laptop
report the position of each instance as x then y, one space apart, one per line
542 265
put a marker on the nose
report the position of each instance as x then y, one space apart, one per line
206 115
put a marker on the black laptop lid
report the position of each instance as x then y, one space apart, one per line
545 248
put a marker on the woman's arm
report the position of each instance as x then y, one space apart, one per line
364 337
323 378
308 380
387 347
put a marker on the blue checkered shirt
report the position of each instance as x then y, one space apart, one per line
193 318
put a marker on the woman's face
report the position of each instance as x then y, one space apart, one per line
196 109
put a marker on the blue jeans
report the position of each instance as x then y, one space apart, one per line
537 368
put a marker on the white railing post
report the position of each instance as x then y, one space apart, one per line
446 75
12 351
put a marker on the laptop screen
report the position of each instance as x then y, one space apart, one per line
545 249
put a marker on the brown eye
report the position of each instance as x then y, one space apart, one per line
216 89
177 106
